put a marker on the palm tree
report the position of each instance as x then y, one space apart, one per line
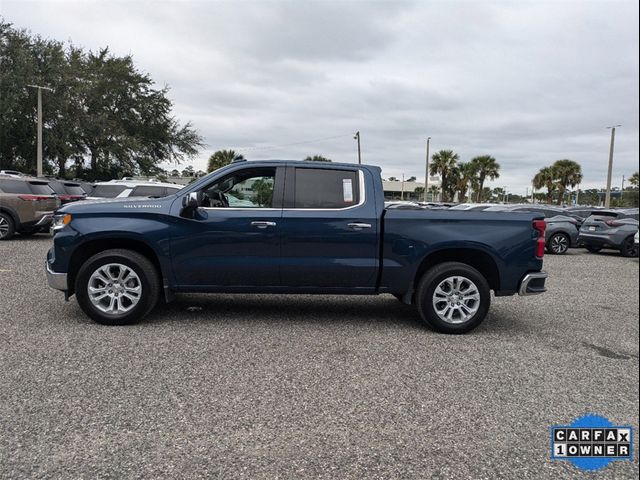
222 158
433 189
443 163
465 173
567 174
633 179
485 167
545 178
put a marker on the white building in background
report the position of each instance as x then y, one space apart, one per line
399 190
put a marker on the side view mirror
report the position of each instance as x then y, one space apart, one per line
190 203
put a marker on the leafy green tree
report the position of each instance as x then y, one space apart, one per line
411 179
317 158
545 178
566 173
393 179
222 158
434 190
485 166
633 179
103 111
262 192
175 172
443 163
188 171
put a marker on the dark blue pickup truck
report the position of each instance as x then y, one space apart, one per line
292 227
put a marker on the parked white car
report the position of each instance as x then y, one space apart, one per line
132 188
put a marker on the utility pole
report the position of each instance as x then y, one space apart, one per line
402 188
357 137
607 198
39 153
426 172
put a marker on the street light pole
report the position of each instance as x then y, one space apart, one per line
357 137
607 198
39 134
426 172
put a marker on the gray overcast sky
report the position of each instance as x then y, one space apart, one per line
528 83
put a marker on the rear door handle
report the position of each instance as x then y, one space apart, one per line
358 225
261 224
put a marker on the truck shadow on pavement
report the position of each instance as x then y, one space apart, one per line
371 310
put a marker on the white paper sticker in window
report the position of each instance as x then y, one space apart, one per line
347 190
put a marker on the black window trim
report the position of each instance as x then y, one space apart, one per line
290 188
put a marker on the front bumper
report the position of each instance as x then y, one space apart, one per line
533 283
56 280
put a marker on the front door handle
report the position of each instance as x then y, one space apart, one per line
263 224
358 225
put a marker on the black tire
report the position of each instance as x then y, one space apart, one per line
593 249
432 279
558 244
629 247
7 227
143 268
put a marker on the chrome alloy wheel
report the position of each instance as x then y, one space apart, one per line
559 244
456 299
114 288
4 227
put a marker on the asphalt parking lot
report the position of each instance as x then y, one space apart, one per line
250 386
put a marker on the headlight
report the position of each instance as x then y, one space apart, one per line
59 221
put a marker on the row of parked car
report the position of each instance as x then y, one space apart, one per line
27 203
593 228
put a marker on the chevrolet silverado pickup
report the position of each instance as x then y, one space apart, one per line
292 227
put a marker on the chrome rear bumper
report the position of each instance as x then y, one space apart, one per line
533 283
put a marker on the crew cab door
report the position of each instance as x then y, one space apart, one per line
233 238
329 229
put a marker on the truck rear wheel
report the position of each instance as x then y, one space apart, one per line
453 297
117 287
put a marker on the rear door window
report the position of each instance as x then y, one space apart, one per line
325 188
57 187
108 191
14 186
148 191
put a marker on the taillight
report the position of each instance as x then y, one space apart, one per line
613 223
540 226
33 198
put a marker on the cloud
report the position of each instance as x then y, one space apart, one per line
527 82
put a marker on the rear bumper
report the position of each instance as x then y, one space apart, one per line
56 280
599 240
533 283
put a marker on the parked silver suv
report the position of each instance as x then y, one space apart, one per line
610 229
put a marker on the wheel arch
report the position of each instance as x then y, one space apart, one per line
85 251
476 258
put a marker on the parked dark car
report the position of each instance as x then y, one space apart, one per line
301 227
562 228
67 191
26 205
613 229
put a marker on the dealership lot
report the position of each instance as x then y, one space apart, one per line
257 386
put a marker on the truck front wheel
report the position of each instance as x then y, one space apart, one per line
453 297
117 287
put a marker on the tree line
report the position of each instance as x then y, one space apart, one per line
104 118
